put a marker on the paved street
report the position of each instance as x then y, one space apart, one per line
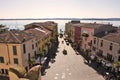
70 67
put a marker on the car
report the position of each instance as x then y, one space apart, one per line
62 42
65 52
77 53
67 43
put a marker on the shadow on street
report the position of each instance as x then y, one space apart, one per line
50 58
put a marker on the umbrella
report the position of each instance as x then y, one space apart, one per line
109 65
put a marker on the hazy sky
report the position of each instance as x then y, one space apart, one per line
59 8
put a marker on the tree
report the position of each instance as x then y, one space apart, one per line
85 35
47 44
117 64
69 34
40 55
18 70
74 45
3 28
31 62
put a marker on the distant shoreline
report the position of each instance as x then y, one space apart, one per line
99 19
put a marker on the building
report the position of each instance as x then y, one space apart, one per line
82 33
42 35
50 25
16 49
90 29
72 30
106 45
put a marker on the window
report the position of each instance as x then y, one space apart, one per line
100 53
28 56
91 41
14 50
15 61
94 40
1 60
24 48
111 46
32 46
6 71
109 57
2 71
35 54
94 48
119 58
36 44
101 44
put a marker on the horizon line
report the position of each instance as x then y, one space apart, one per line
60 19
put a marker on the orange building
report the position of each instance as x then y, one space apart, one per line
16 49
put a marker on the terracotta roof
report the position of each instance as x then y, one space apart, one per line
96 25
114 37
91 25
15 36
39 32
43 24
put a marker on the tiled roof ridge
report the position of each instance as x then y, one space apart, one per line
14 36
1 39
41 30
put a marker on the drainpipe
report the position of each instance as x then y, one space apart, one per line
8 54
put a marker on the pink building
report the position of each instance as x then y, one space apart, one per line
90 29
86 40
77 34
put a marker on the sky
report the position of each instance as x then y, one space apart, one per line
59 8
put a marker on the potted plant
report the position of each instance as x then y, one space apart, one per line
85 35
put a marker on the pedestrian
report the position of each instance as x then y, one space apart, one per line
89 61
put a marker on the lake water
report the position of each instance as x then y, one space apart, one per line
19 24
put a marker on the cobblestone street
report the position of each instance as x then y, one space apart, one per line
70 66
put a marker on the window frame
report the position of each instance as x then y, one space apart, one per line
16 59
24 48
2 59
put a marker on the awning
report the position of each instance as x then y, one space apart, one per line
109 65
92 57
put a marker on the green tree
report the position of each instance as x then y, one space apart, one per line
85 35
40 55
3 28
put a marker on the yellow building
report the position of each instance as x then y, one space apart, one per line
42 35
16 49
44 31
50 25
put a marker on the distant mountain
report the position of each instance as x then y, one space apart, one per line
110 19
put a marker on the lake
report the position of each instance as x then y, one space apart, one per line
19 24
